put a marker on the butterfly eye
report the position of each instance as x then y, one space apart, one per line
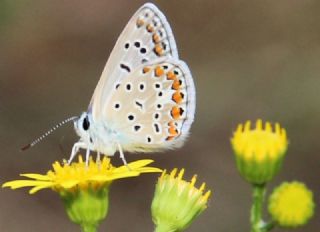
85 123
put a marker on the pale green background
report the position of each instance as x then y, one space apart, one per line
249 59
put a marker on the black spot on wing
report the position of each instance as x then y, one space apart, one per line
125 67
156 127
139 104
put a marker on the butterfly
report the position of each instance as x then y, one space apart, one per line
145 98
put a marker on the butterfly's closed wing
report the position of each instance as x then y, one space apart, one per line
145 98
146 37
153 107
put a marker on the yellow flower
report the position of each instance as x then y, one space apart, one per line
177 202
83 189
259 152
79 176
291 204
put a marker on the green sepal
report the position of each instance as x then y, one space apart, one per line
86 207
259 172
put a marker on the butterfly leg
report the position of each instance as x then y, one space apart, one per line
75 149
122 155
98 157
87 156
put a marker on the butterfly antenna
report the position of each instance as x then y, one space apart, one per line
34 142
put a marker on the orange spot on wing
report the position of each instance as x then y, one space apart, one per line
172 131
150 28
158 49
171 76
159 71
175 112
177 97
169 138
176 84
156 38
140 22
171 124
146 69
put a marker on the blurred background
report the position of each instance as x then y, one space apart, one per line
249 59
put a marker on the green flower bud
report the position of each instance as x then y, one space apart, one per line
176 202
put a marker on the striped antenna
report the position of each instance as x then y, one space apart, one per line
34 142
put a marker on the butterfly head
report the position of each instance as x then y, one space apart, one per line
83 126
95 136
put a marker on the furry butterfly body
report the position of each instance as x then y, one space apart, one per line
145 98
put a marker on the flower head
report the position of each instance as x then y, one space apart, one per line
83 189
80 176
177 202
259 152
291 204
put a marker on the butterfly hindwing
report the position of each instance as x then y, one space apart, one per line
153 107
146 37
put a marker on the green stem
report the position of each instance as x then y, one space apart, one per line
268 226
89 228
256 209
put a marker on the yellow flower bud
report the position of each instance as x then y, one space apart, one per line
259 151
291 204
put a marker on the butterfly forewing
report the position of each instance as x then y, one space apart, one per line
146 37
153 107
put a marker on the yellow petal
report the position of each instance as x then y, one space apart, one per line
36 176
24 183
39 187
149 169
139 163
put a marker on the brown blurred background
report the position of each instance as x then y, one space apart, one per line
249 59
